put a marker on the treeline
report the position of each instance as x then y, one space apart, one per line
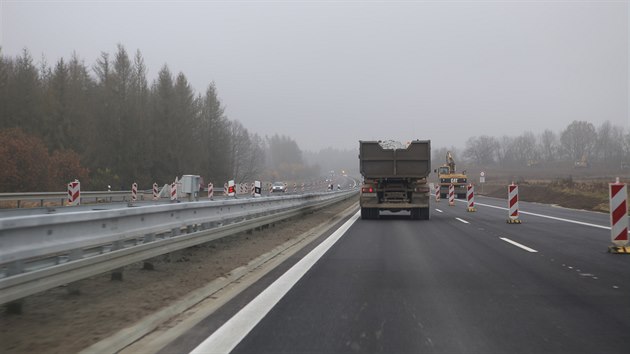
117 128
579 144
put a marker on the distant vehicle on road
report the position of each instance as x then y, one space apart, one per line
278 187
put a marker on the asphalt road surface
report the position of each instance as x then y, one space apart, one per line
459 283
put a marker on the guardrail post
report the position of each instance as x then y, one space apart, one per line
15 307
73 288
147 265
117 274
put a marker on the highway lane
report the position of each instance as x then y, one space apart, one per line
445 286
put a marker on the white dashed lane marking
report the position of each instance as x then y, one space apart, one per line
518 245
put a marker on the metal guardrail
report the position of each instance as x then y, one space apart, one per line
40 252
63 196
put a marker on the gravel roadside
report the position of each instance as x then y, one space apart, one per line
57 322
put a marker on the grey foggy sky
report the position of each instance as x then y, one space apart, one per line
331 73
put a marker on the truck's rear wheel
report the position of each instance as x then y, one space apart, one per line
369 213
420 214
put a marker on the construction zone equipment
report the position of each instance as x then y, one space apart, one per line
448 175
470 197
618 193
513 204
395 178
582 163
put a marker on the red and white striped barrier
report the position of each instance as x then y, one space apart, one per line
302 187
294 187
225 189
134 192
252 190
437 192
451 194
74 192
210 191
174 190
270 188
155 191
513 204
470 197
619 217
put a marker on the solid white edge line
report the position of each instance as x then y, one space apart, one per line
548 217
232 332
518 245
462 220
439 211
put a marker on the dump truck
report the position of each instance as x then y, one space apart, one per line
395 178
447 174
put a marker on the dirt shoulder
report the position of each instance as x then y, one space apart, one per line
57 322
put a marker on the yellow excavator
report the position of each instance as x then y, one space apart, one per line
448 175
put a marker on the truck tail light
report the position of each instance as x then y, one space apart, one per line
367 190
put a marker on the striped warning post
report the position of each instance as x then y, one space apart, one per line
174 190
210 191
437 192
513 204
302 187
74 192
270 188
451 194
618 193
134 192
294 187
155 191
253 190
225 189
470 197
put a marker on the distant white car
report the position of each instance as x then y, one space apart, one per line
278 187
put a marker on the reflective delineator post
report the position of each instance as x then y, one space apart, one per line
451 194
513 204
231 188
134 192
257 189
618 193
470 197
155 191
210 191
74 193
